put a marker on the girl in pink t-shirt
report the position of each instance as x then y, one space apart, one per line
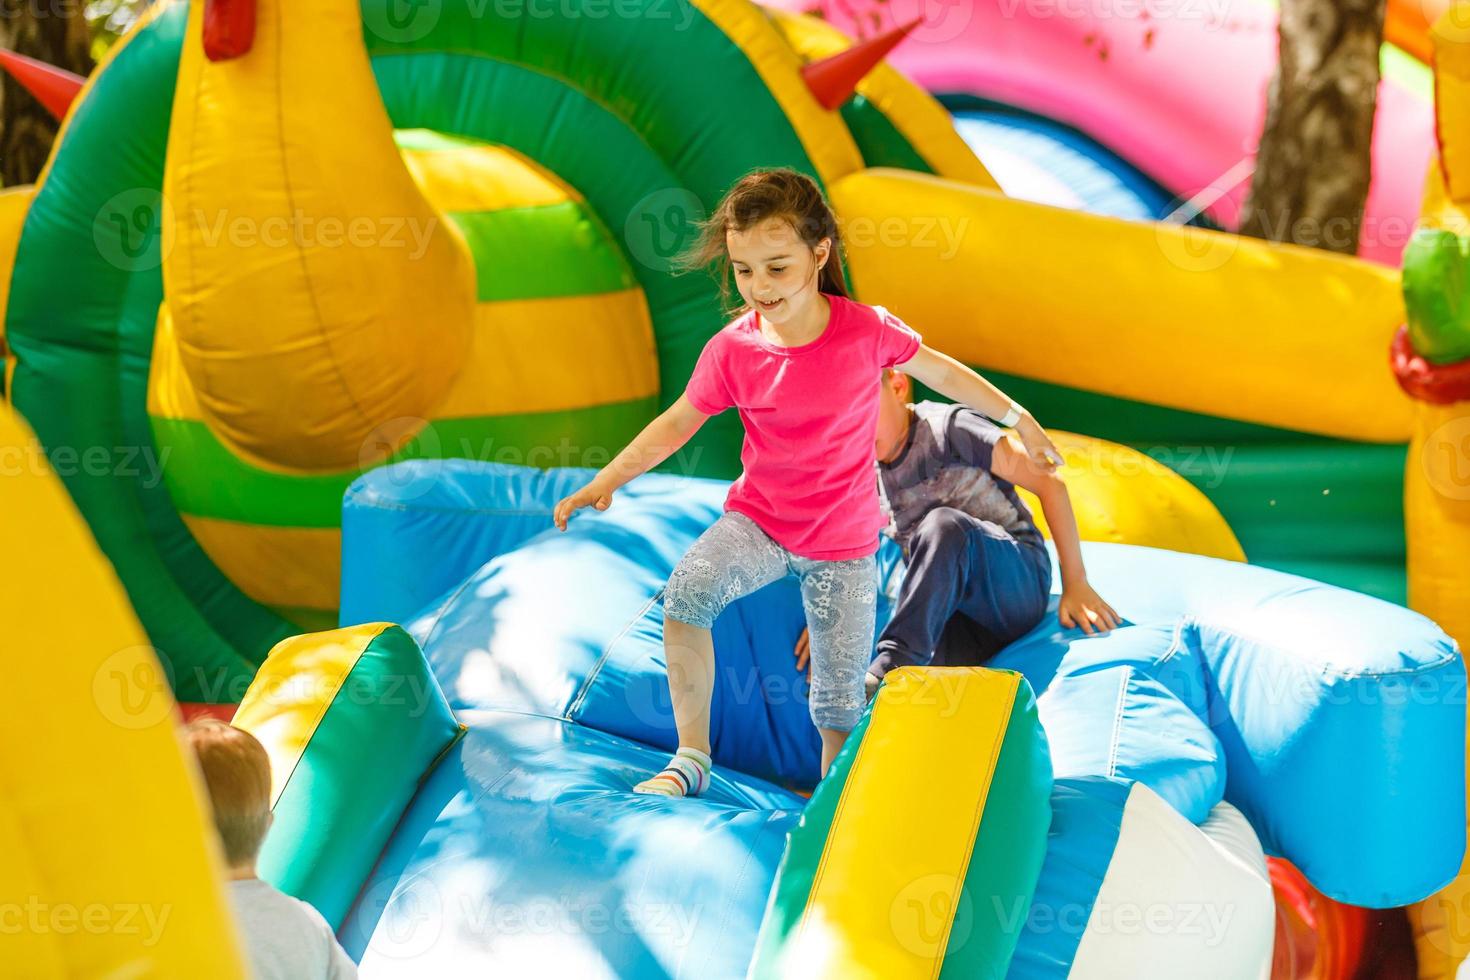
801 365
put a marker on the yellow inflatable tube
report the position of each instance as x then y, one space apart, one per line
1437 470
1121 496
1182 317
111 867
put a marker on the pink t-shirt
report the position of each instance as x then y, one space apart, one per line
810 415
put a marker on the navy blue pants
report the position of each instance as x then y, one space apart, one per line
970 589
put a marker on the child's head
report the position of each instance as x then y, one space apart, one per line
894 392
777 232
237 772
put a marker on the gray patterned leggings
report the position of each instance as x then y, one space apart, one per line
734 557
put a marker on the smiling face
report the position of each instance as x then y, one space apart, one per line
775 271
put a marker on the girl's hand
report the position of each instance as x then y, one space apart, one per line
803 649
1081 607
588 496
1038 444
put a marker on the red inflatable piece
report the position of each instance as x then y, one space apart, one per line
229 28
192 710
55 88
833 79
1438 384
1316 938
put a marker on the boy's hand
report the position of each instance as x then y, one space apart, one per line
1038 444
588 496
1081 607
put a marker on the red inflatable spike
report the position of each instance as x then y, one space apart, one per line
55 88
833 79
194 710
229 28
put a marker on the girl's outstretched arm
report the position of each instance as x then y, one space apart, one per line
954 380
659 440
1080 606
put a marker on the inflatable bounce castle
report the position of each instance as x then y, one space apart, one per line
318 308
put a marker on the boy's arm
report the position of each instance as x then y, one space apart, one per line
659 440
1079 605
954 380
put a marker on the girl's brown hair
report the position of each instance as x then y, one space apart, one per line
762 194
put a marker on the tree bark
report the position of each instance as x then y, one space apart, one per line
1314 160
53 31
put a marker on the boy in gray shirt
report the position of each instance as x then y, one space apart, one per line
285 938
978 575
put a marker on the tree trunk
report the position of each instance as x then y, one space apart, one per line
1314 159
53 31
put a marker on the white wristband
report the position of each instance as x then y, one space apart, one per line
1013 416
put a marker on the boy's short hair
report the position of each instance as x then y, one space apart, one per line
237 772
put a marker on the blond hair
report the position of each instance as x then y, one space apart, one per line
237 772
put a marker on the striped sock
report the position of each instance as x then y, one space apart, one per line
687 774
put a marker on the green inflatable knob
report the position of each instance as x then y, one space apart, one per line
1436 274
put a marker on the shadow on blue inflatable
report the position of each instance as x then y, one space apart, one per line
1095 806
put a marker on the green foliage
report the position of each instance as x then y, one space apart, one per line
109 20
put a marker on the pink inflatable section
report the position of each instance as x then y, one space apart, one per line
1176 87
